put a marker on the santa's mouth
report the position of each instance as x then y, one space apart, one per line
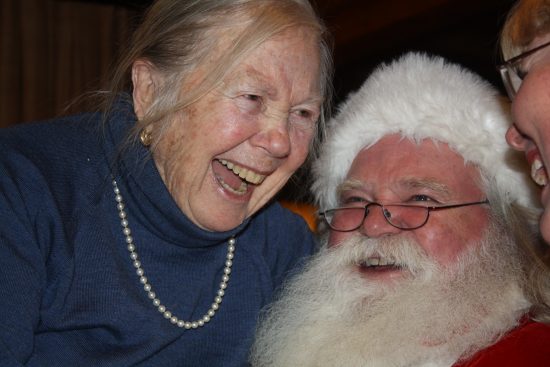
538 170
235 178
379 263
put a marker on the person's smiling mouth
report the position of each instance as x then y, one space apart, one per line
236 178
539 173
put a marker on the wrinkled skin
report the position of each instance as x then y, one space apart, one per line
531 130
398 171
260 119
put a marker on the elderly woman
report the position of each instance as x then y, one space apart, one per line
144 234
525 44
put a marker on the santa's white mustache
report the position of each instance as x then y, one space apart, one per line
396 251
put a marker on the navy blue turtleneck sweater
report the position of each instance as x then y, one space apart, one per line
69 294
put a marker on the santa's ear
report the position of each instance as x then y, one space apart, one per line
146 81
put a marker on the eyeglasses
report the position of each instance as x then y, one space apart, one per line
406 217
510 71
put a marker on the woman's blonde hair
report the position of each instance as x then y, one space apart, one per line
526 20
176 36
532 253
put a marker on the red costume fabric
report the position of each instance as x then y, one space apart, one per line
527 345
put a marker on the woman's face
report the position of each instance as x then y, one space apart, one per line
229 153
531 130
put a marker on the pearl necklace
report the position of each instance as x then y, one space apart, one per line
147 286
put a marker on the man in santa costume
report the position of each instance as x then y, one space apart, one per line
431 255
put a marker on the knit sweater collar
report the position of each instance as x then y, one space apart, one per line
147 199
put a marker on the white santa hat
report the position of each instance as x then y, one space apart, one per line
419 97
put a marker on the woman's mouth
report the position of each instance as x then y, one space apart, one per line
538 170
235 178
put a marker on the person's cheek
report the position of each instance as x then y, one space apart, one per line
545 224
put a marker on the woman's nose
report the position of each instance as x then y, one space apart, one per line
274 136
375 223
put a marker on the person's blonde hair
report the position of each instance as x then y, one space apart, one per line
533 254
526 20
177 36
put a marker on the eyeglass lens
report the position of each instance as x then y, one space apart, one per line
404 217
510 71
511 80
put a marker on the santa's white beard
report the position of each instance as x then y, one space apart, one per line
332 316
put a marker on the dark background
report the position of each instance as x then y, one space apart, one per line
367 32
52 51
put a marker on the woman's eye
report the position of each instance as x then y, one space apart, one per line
253 97
304 116
250 103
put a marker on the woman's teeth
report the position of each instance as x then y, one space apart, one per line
244 173
538 173
240 191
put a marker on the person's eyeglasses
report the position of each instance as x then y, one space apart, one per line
511 73
406 217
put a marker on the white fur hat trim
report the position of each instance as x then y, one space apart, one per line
421 96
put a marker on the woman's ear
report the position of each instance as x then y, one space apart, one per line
145 82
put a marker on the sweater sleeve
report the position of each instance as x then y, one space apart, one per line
22 266
291 243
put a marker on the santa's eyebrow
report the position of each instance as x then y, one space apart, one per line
349 184
431 184
409 183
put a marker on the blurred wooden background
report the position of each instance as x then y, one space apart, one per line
52 51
